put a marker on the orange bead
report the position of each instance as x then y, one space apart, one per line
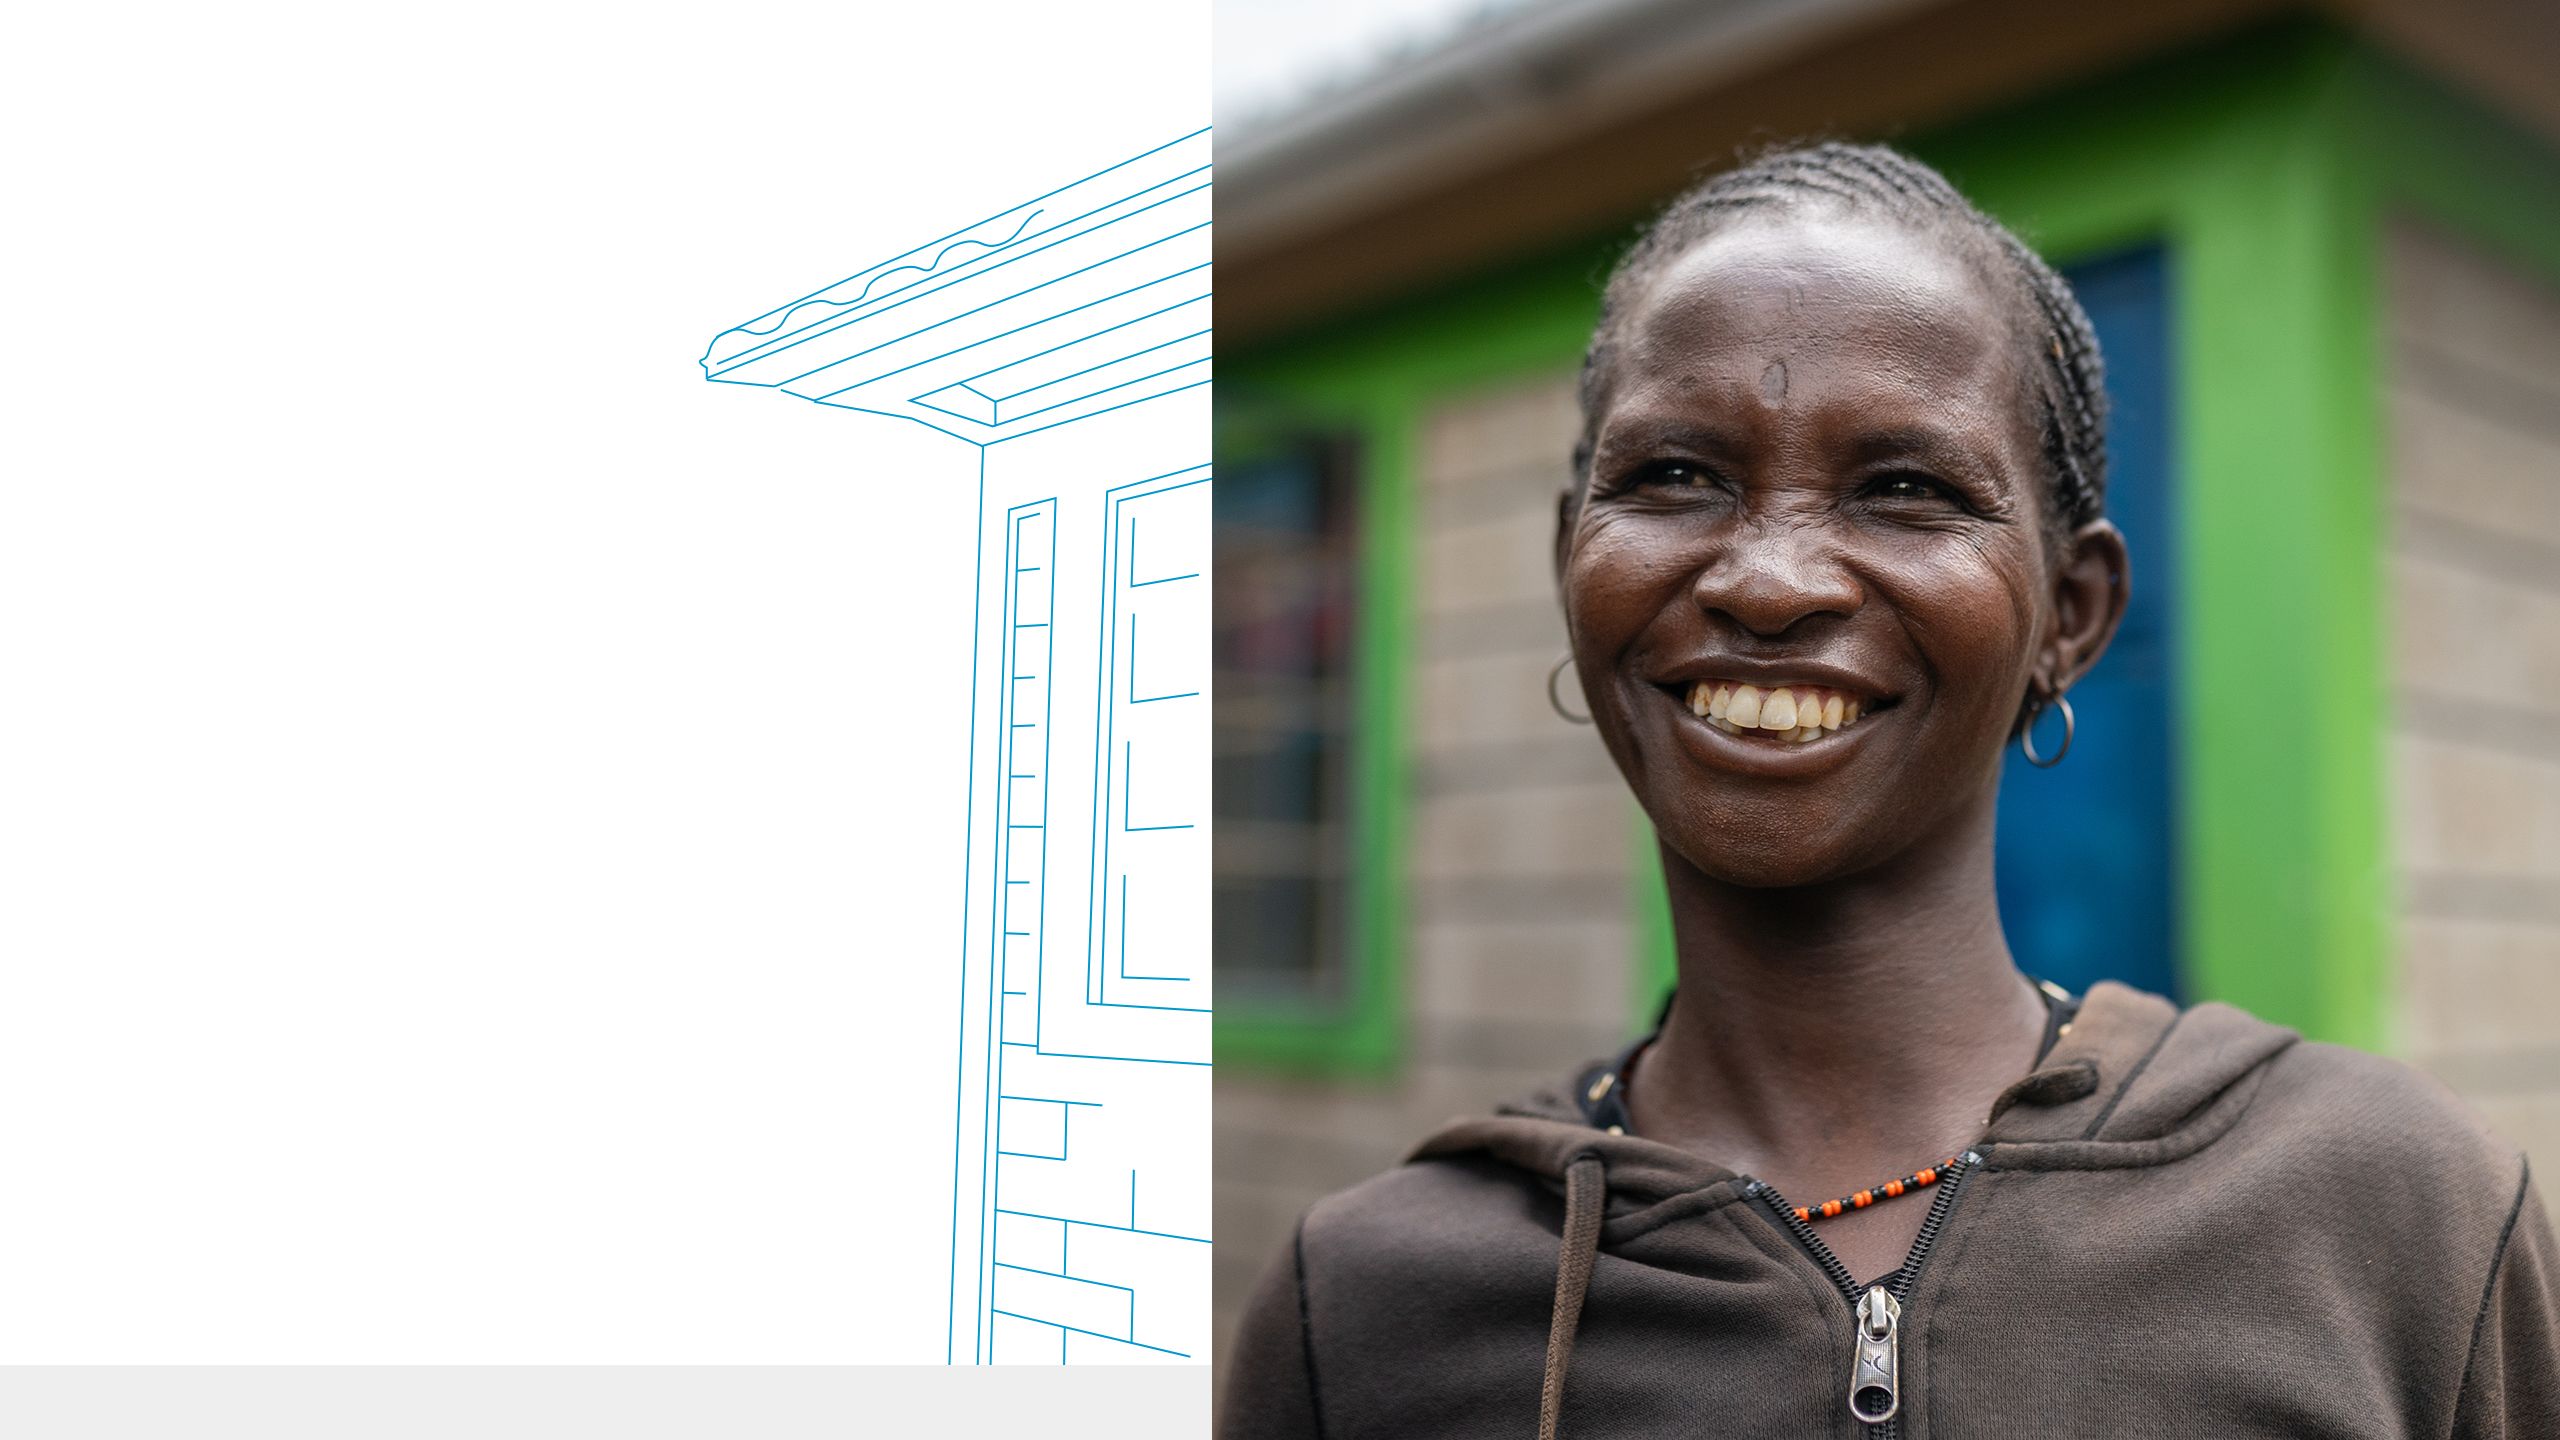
1863 1199
1893 1187
1830 1208
1926 1177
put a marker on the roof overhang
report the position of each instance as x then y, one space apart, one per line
1092 296
1549 124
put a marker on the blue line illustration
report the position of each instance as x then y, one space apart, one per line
1094 296
1078 1229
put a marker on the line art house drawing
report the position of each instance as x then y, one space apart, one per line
1067 339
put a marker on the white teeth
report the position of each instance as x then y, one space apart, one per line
1793 713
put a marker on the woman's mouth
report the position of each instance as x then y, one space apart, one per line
1795 714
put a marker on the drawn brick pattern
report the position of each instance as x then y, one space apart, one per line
1097 1246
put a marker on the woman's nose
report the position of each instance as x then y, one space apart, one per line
1766 578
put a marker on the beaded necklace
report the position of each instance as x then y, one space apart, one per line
1603 1106
1861 1199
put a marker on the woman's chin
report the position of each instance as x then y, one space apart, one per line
1765 876
1749 855
1783 844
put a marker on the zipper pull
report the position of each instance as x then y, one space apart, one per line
1875 1387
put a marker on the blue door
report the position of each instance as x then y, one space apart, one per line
2088 849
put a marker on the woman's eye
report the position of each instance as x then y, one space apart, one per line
1908 486
1675 474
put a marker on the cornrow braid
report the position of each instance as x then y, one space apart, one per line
1876 180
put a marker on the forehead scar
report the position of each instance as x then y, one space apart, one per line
1773 382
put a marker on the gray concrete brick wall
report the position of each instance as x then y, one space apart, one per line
1518 962
2472 409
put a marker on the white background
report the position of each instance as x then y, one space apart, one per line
478 804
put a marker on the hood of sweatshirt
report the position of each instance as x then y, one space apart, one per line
2133 1070
2133 1081
2181 1223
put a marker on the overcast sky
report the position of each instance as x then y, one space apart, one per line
1268 52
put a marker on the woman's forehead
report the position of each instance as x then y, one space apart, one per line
1862 298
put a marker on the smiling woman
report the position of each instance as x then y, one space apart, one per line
1836 536
1815 460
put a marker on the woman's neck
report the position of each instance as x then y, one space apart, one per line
1876 1015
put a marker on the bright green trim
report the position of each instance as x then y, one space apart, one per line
2287 854
1657 958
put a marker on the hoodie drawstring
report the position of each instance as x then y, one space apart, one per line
1586 1194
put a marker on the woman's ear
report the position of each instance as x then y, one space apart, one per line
2090 590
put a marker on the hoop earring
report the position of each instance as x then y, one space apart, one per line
1556 701
2027 734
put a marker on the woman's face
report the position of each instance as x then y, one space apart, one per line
1815 514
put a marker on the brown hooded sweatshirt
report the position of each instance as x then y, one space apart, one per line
2181 1224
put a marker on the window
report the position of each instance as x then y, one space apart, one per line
1285 566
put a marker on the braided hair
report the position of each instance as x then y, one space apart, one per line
2071 396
